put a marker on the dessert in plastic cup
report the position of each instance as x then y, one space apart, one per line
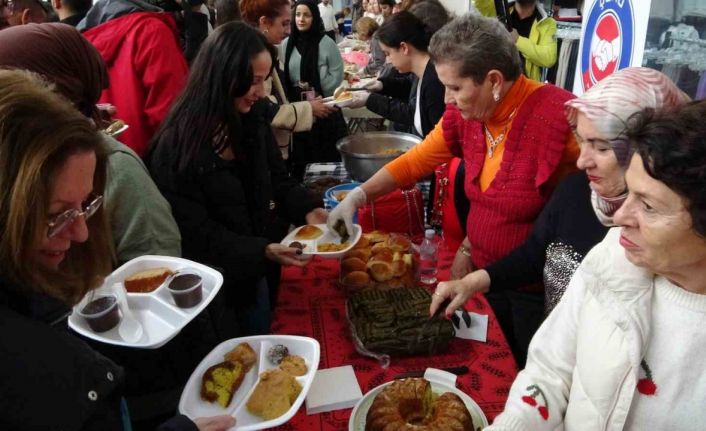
102 313
186 288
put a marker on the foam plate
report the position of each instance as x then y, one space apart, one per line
330 101
441 382
161 319
311 245
193 406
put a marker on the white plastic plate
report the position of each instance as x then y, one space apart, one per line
311 245
193 406
330 101
161 319
441 382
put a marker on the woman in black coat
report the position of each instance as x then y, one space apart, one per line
415 101
216 162
54 248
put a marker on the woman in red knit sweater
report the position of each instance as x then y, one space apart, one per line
516 145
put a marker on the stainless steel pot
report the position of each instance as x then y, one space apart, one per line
364 154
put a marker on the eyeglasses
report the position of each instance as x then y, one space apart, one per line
58 223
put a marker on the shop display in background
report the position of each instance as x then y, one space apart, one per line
676 44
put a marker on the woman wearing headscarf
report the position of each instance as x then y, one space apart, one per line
141 219
273 19
581 210
627 340
311 58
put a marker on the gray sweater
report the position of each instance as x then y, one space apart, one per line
140 218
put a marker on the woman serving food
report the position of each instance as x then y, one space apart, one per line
512 135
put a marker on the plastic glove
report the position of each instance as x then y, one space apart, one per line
346 208
375 86
360 98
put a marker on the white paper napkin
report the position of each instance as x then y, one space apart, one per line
333 389
477 330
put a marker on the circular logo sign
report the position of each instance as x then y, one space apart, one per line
608 40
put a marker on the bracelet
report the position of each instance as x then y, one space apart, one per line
464 250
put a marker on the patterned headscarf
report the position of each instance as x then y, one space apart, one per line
610 103
62 56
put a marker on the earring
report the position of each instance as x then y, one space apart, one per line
496 95
267 30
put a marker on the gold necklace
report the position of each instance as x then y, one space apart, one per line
493 142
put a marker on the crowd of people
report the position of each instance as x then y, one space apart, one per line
586 229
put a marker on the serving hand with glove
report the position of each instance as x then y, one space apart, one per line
360 98
345 210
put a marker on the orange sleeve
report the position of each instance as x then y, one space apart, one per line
567 165
422 159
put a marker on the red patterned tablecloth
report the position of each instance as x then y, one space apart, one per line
311 304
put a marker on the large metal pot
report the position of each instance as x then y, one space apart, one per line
364 154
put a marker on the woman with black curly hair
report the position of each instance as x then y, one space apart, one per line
628 337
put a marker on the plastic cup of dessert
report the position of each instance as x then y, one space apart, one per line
102 313
186 288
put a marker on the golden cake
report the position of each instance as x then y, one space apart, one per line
147 280
294 365
274 394
410 405
221 381
244 354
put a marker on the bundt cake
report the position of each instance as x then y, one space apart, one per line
409 405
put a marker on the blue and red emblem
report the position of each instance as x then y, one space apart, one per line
608 42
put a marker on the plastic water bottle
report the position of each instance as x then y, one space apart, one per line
428 257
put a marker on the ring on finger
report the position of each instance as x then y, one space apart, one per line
433 294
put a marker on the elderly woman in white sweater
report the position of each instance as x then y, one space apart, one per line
626 346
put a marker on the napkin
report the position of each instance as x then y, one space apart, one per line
477 329
333 389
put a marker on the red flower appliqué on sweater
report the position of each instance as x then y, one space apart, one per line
646 386
532 399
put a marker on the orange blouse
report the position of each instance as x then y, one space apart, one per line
423 158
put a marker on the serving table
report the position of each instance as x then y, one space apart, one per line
312 304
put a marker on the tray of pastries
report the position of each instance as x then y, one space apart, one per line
423 404
378 259
395 322
261 381
164 294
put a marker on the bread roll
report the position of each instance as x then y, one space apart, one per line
308 232
360 253
356 278
380 271
382 256
351 264
399 243
362 243
377 236
398 268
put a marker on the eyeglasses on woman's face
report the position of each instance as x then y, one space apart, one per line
62 221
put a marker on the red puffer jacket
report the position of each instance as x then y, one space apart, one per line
147 71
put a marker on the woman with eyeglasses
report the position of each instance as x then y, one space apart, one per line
54 248
140 218
581 209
